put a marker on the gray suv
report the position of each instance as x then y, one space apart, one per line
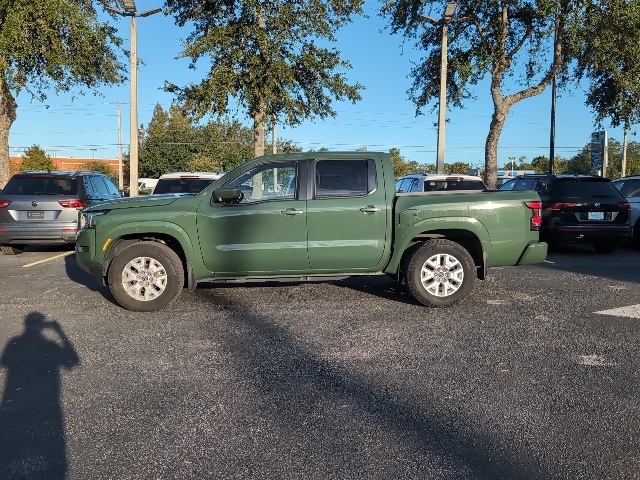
41 207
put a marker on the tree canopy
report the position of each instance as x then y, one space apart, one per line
52 45
265 57
521 46
35 158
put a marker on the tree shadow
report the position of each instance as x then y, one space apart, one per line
32 435
292 381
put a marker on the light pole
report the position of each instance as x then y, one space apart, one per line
93 153
449 11
130 11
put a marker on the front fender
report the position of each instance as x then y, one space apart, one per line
123 234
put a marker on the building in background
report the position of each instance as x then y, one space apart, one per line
71 163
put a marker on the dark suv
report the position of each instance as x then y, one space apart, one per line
578 209
41 207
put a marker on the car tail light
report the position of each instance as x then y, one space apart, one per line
189 176
561 205
79 204
5 203
536 215
623 206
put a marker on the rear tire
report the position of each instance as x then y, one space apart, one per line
439 273
146 276
11 249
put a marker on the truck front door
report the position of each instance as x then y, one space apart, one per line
265 233
348 215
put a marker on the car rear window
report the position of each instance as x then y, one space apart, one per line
450 185
41 185
585 187
182 185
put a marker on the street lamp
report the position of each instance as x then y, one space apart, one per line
447 16
130 11
93 152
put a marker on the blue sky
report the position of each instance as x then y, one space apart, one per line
87 126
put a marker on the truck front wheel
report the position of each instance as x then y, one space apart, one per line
146 276
439 273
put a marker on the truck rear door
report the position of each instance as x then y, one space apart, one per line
347 214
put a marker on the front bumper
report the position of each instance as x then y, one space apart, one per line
38 233
86 254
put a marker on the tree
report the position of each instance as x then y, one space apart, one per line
525 43
608 58
456 167
35 158
57 44
99 166
266 56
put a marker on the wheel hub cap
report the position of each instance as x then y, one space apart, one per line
144 279
442 275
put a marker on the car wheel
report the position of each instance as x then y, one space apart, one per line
439 273
11 249
146 276
605 247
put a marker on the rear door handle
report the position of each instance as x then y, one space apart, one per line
290 212
370 209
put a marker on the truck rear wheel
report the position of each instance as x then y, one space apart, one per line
146 276
439 273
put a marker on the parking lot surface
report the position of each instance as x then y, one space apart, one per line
533 376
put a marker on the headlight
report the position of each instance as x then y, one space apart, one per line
87 219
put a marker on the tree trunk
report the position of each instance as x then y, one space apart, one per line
258 147
500 110
8 108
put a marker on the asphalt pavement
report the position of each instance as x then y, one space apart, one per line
533 376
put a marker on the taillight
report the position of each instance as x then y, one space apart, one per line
536 215
561 205
79 204
623 206
5 203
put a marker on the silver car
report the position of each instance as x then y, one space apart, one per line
630 188
41 207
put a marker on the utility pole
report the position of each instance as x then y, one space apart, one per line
130 11
120 169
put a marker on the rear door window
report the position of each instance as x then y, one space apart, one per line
344 178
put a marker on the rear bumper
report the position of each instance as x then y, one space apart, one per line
533 253
38 234
587 234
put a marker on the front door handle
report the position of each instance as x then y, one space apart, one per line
290 212
370 209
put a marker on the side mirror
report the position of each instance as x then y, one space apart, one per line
228 195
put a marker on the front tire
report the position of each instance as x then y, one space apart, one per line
146 276
11 249
439 273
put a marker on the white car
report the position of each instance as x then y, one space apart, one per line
630 188
432 182
185 182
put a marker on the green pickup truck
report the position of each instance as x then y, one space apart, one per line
304 216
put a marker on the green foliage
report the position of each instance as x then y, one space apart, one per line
174 141
403 167
98 166
54 45
35 158
608 58
267 56
457 167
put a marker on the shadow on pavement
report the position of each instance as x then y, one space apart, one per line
32 435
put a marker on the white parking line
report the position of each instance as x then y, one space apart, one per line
47 259
632 311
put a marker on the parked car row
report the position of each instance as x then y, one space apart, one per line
41 207
579 209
